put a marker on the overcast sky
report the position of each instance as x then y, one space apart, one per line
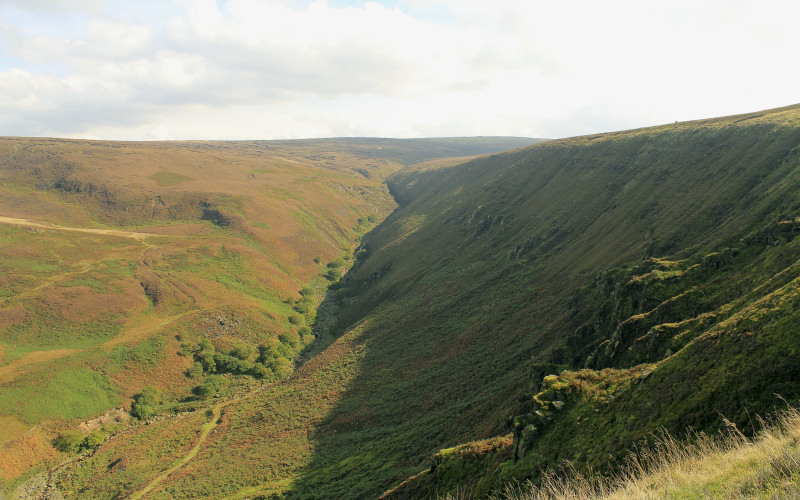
262 69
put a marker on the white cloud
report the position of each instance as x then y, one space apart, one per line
269 69
57 6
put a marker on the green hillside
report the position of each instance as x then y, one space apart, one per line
559 302
181 266
672 247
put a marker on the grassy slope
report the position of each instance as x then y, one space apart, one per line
721 201
484 269
506 259
502 260
231 229
724 466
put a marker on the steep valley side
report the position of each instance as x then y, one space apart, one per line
557 302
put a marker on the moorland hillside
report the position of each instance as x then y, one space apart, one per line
563 301
560 302
128 266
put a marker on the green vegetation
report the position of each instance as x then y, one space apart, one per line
503 273
74 441
203 240
562 302
68 393
170 178
146 354
146 403
210 386
724 466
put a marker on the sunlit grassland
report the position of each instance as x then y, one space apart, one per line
135 458
268 432
202 241
170 178
728 465
68 394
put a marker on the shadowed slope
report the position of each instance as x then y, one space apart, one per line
486 266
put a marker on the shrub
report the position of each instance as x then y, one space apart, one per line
205 345
210 387
295 319
282 367
289 339
261 372
195 370
268 350
206 359
335 264
146 403
226 363
69 441
187 348
333 274
74 441
94 439
245 352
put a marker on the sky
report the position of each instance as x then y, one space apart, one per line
263 69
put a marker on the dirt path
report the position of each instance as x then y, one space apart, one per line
134 332
83 267
47 225
145 327
14 369
207 427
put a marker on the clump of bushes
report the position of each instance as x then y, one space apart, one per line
212 385
333 274
336 263
305 305
270 361
74 441
240 360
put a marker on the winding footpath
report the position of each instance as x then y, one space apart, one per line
207 427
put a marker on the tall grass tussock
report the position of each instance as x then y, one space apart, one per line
728 465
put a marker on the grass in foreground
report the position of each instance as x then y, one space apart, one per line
728 466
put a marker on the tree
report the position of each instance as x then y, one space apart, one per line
195 370
282 367
245 352
210 387
69 441
146 403
94 439
206 358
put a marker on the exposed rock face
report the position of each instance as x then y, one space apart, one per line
39 487
540 409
